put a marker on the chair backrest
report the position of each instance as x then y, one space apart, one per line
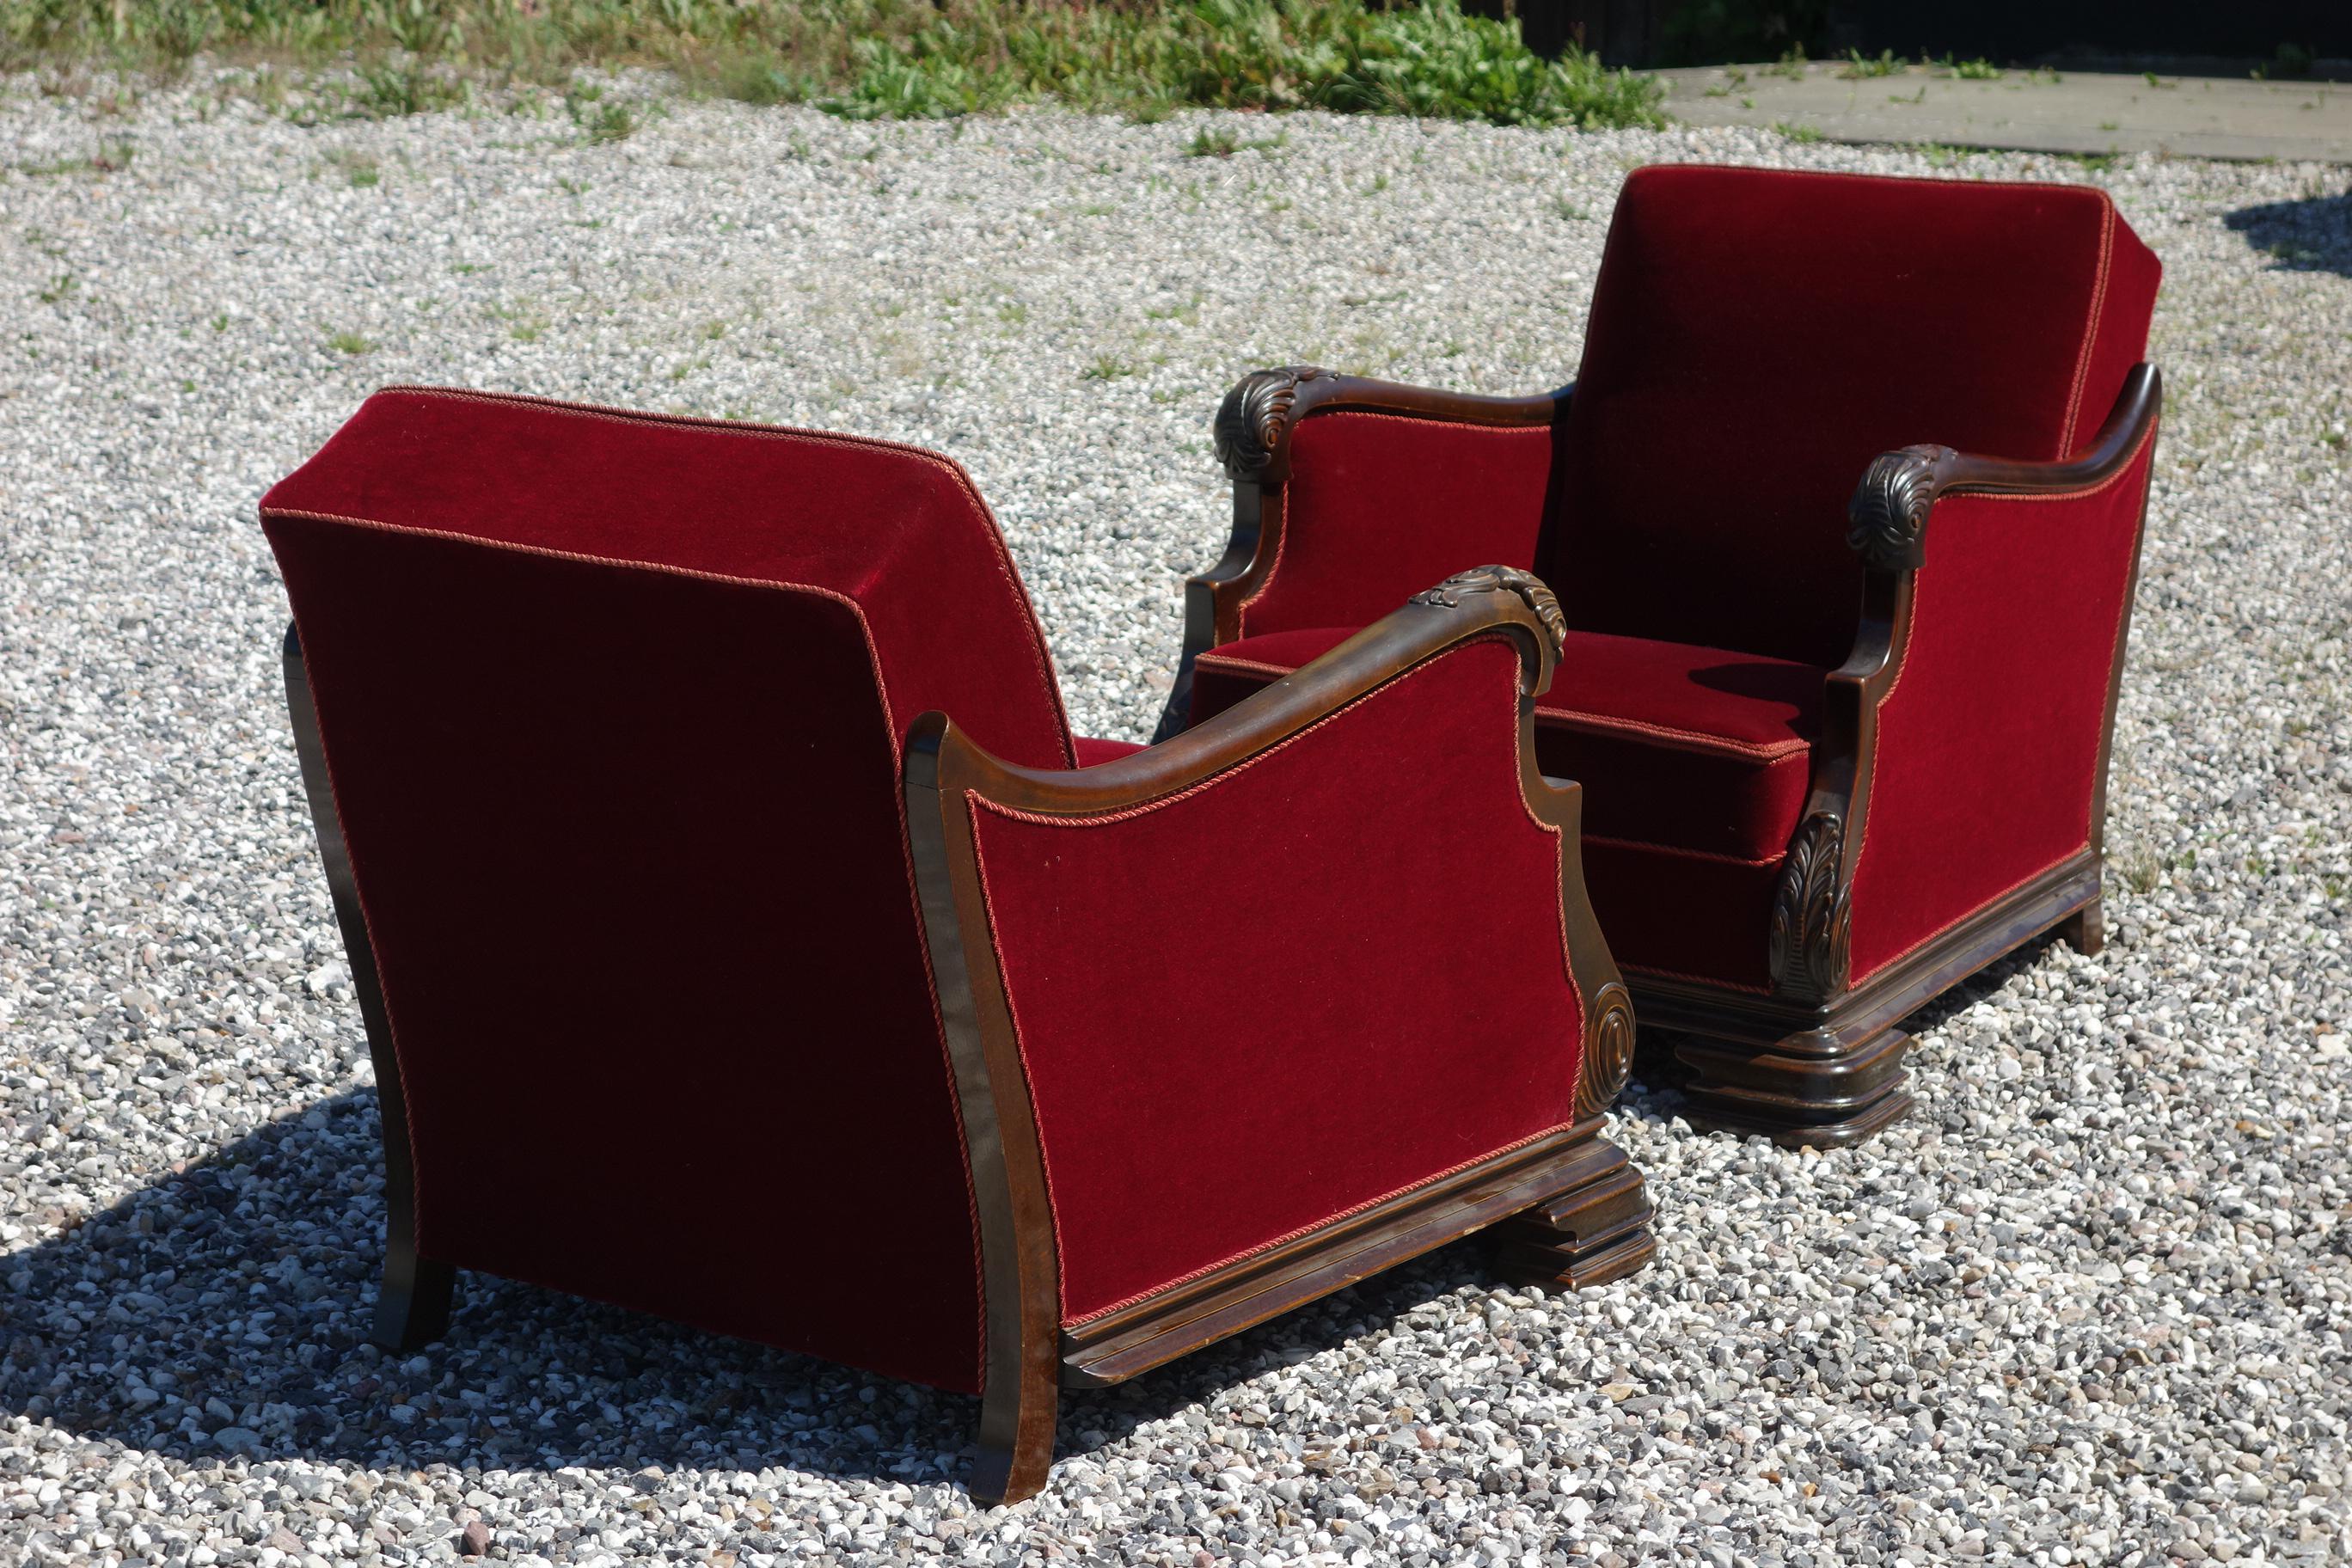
1758 336
613 707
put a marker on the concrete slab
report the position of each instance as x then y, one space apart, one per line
2041 110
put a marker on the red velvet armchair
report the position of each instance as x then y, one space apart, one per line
712 849
1841 701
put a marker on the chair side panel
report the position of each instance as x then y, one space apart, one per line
1329 974
1991 736
630 850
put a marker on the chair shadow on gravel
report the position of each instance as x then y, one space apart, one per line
223 1311
2314 234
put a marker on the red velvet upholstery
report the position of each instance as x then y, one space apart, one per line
1342 1032
1991 738
1345 562
613 707
1757 337
590 871
900 530
1671 912
1701 750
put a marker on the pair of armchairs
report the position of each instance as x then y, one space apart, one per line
743 936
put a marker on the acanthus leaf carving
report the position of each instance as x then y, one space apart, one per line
1249 422
1886 520
1531 589
1812 913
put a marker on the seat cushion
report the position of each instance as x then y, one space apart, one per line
1686 749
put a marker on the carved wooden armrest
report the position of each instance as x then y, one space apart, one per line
1886 522
1469 604
1256 420
1253 430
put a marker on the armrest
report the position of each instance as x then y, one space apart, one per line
1888 518
1329 946
1423 481
1255 421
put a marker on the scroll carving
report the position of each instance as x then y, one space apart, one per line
1250 420
1608 1059
1812 915
1886 522
1530 587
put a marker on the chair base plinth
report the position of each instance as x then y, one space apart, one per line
412 1307
1822 1074
1798 1099
1592 1233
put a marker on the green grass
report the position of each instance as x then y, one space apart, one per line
867 59
350 343
1859 65
113 156
1978 69
358 168
1224 144
599 118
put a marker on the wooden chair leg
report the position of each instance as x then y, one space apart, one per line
411 1308
2085 931
1017 1417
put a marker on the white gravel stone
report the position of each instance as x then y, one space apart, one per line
2088 1305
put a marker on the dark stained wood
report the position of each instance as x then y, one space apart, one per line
1799 1102
1829 1072
1887 517
1594 1230
2085 931
1020 1272
1027 1352
1560 1171
1370 659
1255 423
2093 932
1253 427
412 1303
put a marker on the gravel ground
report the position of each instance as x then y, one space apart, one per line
2089 1305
